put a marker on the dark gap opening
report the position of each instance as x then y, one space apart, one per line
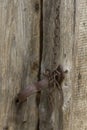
74 17
16 101
41 38
40 56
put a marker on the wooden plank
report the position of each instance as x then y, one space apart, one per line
19 61
67 26
73 56
68 50
79 93
51 103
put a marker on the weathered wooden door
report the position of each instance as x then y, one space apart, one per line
36 35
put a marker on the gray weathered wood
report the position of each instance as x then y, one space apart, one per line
64 42
19 61
74 58
71 53
67 26
51 102
79 90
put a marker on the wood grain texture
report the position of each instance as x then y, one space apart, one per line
51 102
74 57
79 91
64 41
19 61
70 36
67 33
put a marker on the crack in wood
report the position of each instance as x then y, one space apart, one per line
57 32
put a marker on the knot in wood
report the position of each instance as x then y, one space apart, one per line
56 77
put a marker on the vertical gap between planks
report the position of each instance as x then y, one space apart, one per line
41 38
40 53
74 22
